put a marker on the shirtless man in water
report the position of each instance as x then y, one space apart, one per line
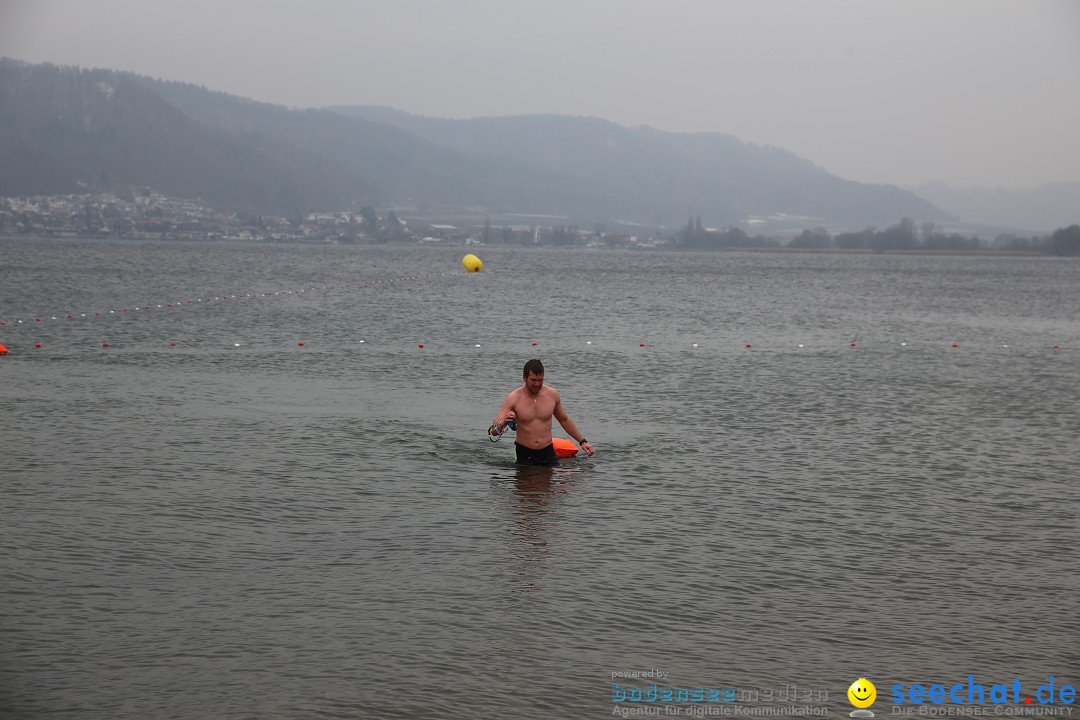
531 407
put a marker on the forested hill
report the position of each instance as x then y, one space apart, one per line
668 175
69 130
65 129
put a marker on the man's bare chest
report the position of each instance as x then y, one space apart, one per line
534 408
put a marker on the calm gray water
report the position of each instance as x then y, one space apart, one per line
276 531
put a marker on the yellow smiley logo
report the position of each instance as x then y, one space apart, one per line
862 693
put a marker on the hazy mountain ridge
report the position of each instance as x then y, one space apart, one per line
713 175
399 166
66 129
97 129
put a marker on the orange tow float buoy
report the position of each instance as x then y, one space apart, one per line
3 350
564 448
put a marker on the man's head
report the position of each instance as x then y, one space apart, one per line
533 375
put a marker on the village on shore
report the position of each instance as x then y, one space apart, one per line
153 216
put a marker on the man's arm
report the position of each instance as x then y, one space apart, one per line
568 425
506 414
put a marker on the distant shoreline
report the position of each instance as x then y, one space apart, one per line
982 252
866 251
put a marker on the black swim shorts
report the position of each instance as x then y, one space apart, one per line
544 457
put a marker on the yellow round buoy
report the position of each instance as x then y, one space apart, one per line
472 263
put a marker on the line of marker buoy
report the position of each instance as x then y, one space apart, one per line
800 345
470 262
200 300
21 325
422 345
748 346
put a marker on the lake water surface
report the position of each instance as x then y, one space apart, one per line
238 526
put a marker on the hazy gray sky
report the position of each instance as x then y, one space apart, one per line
969 92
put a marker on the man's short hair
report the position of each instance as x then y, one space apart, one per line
534 366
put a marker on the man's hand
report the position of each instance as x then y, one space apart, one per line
588 447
